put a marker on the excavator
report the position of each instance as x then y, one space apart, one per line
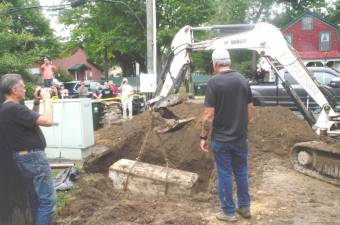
315 158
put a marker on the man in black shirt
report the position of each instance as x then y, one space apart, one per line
106 92
228 101
21 134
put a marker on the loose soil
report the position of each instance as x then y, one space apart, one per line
279 194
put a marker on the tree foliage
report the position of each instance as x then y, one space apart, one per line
111 34
334 12
292 9
110 31
25 37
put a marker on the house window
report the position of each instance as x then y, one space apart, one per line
307 23
289 38
325 41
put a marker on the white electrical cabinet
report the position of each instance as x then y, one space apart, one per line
73 132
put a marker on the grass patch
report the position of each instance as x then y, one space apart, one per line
62 196
89 178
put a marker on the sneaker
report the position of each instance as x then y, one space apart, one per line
244 212
226 217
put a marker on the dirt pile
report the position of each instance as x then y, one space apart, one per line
178 149
96 202
277 129
273 129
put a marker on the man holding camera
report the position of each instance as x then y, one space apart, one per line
47 71
20 132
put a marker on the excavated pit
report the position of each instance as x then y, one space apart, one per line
272 131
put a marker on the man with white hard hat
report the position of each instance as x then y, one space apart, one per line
228 102
126 94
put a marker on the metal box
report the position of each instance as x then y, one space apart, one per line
74 130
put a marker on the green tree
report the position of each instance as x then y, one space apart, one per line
110 32
25 37
292 9
334 12
278 12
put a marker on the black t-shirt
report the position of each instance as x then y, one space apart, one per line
18 128
229 94
107 93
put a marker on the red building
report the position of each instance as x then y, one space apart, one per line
316 40
77 65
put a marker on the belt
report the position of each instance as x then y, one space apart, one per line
30 150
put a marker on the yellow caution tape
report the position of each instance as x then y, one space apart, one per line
199 97
117 98
55 98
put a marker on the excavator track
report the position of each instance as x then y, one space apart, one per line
317 159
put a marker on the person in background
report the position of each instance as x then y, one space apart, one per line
98 89
106 91
63 92
83 90
53 91
114 88
47 70
228 104
127 95
22 135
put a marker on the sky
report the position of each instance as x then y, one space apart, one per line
60 29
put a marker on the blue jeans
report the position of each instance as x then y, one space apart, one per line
34 165
231 158
48 82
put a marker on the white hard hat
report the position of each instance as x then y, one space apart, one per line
221 55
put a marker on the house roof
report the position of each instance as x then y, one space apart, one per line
87 59
92 63
78 67
308 13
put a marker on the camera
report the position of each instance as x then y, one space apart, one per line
39 91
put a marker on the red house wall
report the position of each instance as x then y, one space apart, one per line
307 42
78 57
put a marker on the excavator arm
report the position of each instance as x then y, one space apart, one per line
268 42
314 159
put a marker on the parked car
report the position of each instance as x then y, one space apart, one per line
271 94
56 82
72 87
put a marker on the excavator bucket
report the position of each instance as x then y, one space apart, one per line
172 125
172 121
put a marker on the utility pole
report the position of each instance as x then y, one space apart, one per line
149 36
154 39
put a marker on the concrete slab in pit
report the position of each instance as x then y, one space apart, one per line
151 179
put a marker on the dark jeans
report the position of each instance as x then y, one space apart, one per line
231 158
34 165
48 82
